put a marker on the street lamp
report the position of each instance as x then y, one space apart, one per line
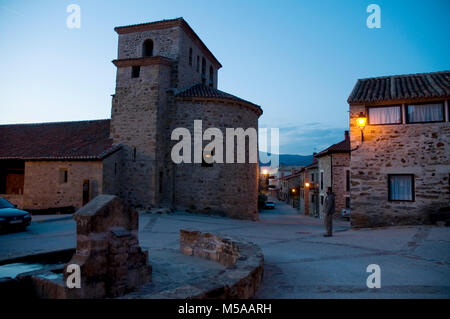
307 185
293 190
361 121
265 171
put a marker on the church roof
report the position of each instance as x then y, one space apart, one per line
206 92
81 140
401 87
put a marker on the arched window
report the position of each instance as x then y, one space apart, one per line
190 56
211 76
147 48
198 63
203 66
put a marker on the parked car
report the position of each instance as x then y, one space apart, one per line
346 213
269 205
11 217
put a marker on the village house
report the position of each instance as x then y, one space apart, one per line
334 172
400 141
166 78
309 189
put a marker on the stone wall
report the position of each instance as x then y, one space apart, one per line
240 280
334 167
108 254
187 74
225 189
43 188
419 149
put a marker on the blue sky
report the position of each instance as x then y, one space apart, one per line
299 60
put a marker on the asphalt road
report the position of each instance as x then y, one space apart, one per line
299 261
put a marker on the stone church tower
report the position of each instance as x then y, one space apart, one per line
167 78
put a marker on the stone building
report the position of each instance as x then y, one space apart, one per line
400 169
309 189
166 78
334 172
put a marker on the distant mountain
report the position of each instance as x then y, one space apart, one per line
291 160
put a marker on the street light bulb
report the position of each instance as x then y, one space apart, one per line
265 171
361 120
306 184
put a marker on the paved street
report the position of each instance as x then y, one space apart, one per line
299 262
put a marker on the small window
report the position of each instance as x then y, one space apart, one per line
347 202
211 76
321 200
161 175
63 175
198 63
134 154
312 177
347 180
313 198
203 66
401 187
385 115
420 113
135 71
321 180
190 56
206 164
147 48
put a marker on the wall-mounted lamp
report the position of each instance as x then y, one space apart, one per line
293 190
361 121
307 185
265 171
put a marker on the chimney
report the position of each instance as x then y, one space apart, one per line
347 136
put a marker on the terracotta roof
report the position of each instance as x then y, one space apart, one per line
401 87
341 147
206 92
61 140
169 23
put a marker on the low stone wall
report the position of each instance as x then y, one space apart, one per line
108 253
240 280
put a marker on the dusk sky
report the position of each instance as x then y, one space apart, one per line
299 60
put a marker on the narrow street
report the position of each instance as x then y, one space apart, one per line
299 261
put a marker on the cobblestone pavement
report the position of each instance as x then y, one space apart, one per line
299 261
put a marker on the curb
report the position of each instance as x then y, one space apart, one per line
53 219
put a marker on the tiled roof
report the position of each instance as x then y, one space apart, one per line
401 87
61 140
341 147
203 91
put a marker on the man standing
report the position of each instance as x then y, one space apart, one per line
328 211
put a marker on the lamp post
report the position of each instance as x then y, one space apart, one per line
361 121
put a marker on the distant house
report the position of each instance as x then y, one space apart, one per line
309 189
400 169
334 172
57 166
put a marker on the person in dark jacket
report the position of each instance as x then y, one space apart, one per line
328 211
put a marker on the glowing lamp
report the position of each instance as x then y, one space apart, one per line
293 190
306 185
361 121
265 171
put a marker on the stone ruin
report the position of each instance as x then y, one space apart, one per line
111 261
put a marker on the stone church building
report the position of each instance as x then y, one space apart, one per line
166 78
